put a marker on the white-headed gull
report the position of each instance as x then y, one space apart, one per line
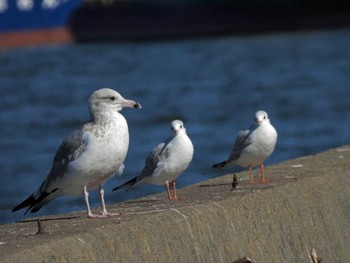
253 146
166 161
89 156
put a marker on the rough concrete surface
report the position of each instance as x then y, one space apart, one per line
306 205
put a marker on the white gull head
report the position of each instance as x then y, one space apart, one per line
178 127
261 117
104 100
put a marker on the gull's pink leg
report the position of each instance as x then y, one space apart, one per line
250 174
167 189
103 205
86 198
175 196
262 176
89 213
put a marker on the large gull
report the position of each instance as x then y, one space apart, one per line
166 161
89 156
253 146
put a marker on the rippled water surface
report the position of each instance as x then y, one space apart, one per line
302 80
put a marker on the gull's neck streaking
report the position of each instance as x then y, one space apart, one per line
105 107
105 114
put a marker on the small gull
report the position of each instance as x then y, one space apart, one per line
89 156
253 146
166 161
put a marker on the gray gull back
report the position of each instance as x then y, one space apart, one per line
253 146
166 161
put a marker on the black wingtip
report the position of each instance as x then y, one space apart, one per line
30 201
34 204
128 183
219 165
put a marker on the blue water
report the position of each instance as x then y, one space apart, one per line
215 85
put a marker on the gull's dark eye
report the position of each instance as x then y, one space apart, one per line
180 126
112 98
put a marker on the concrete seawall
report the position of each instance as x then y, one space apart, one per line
305 206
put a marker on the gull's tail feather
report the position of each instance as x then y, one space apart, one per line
128 184
219 165
35 203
